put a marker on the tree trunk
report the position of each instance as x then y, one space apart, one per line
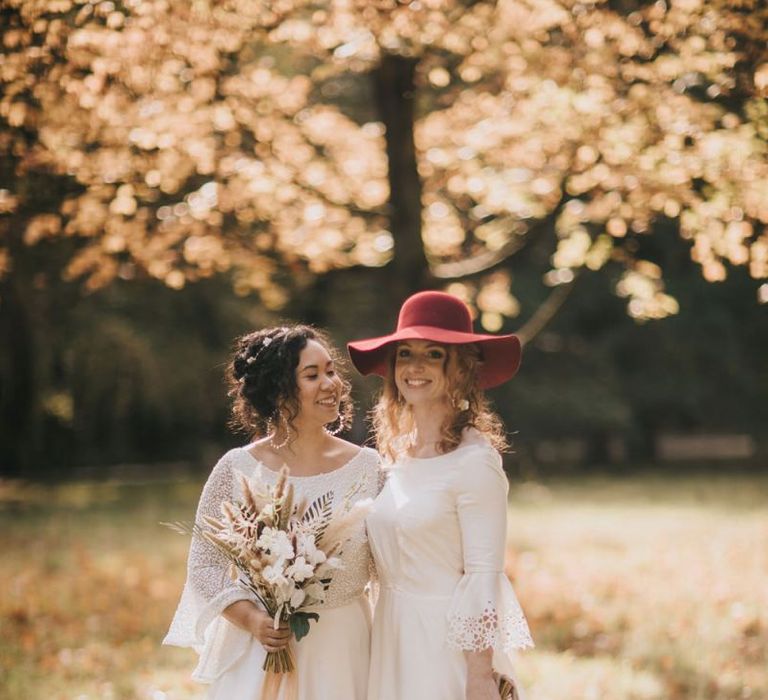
395 98
18 385
361 301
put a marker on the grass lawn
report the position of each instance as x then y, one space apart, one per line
644 588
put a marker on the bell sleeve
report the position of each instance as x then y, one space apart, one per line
208 591
484 611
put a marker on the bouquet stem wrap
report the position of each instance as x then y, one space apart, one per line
280 668
279 661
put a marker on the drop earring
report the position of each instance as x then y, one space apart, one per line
460 404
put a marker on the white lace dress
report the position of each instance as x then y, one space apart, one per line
438 532
332 660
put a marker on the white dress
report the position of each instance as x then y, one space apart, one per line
438 533
332 660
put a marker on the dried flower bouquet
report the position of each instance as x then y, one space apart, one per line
282 550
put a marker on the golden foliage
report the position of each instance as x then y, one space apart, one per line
203 137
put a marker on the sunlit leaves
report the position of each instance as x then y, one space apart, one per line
191 149
211 136
643 286
610 116
496 301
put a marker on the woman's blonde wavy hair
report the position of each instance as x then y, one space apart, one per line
392 417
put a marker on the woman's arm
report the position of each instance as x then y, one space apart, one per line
484 616
210 588
480 682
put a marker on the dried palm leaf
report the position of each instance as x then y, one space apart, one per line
344 522
319 513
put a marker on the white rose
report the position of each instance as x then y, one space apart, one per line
274 575
306 547
281 546
300 570
266 538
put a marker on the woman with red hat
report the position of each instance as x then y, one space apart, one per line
447 617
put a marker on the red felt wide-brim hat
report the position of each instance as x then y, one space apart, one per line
442 318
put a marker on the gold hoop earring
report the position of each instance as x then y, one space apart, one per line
273 429
339 428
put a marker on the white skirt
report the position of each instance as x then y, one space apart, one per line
331 661
411 658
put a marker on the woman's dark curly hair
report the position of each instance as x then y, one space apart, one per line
262 380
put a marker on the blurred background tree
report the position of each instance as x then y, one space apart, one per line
323 160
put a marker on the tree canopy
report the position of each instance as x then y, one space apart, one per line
197 137
328 158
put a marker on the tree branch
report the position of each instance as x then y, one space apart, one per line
479 263
545 313
488 260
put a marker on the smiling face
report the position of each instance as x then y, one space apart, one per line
319 387
420 372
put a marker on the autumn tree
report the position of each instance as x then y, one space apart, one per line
430 140
206 136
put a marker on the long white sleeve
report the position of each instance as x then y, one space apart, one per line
208 590
484 612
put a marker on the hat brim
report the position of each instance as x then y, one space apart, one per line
501 353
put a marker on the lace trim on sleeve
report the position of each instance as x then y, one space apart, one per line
506 632
485 613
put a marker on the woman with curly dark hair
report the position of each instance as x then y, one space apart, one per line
290 398
447 617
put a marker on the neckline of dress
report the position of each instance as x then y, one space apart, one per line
409 458
471 438
265 468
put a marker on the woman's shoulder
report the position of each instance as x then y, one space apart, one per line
366 464
236 455
224 462
220 481
369 462
370 455
476 458
474 444
234 459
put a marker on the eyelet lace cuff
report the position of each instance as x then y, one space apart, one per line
485 613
